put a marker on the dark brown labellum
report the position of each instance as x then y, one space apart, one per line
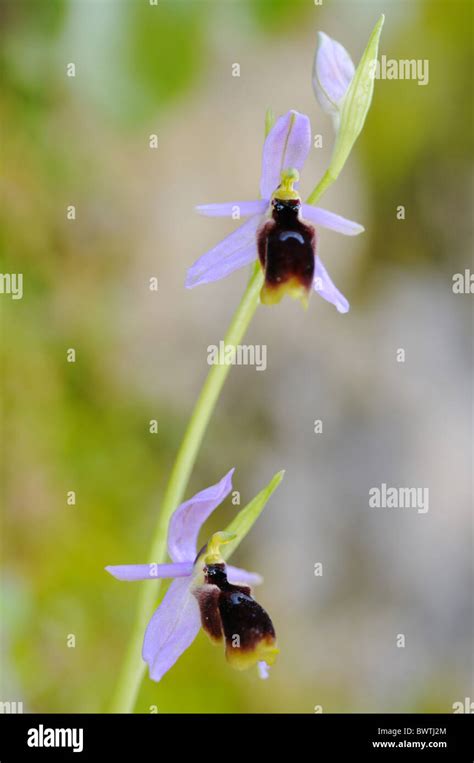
286 249
230 610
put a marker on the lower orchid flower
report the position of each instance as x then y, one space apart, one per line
280 231
206 593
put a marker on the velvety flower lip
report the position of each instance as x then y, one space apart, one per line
176 623
229 613
285 150
332 74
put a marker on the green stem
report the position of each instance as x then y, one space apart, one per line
133 667
326 180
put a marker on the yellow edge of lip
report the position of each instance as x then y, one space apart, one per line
240 660
272 295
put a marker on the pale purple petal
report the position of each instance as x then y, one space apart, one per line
237 576
187 519
234 209
173 628
325 287
150 571
332 73
286 146
330 220
233 252
263 670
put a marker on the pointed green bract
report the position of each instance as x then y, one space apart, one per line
356 102
245 519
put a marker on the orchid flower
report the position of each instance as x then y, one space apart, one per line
205 593
280 230
332 74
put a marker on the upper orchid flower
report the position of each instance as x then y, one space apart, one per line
345 92
206 592
280 230
332 74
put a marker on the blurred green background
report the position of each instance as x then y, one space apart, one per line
141 355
